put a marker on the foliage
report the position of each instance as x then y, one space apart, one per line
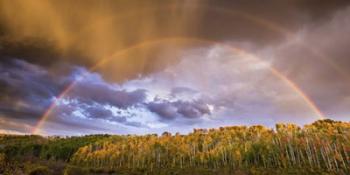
21 147
35 147
63 148
322 147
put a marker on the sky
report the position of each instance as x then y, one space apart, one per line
139 67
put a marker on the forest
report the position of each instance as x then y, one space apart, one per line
322 147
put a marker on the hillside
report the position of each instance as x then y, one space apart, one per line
323 146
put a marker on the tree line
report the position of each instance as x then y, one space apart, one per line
323 146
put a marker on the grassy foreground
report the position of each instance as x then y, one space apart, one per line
322 147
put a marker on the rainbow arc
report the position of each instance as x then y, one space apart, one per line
237 51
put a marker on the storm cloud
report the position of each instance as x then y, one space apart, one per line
169 110
25 84
150 66
91 98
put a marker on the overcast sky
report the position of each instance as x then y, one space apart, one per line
142 67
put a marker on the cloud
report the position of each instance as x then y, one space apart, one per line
165 110
178 91
28 90
13 127
92 98
48 32
25 84
316 59
99 93
192 109
170 110
148 89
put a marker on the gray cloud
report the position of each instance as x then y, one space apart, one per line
205 82
165 110
182 90
171 110
316 58
28 90
25 84
88 92
94 29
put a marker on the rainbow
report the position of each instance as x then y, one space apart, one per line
234 50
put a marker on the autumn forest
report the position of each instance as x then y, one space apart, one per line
321 147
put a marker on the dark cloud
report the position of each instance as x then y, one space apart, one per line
46 45
89 92
192 109
317 60
48 32
164 110
170 110
13 127
98 111
32 50
27 89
